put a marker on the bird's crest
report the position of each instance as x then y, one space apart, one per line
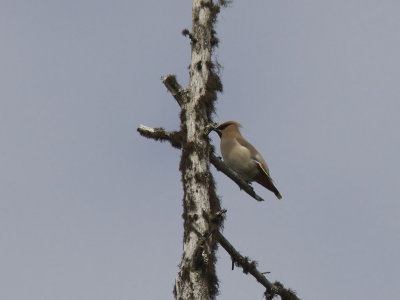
228 123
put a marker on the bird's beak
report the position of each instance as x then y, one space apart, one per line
217 131
212 127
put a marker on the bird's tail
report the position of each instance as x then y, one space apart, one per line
265 180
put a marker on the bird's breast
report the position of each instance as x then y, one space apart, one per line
238 158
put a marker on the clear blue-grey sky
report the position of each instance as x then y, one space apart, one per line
91 210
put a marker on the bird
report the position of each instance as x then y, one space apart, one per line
242 157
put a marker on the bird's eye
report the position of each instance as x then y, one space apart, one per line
222 127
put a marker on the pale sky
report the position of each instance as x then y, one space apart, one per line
91 210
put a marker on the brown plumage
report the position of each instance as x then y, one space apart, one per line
242 157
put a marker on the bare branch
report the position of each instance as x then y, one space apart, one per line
241 261
284 293
160 134
220 166
249 266
175 88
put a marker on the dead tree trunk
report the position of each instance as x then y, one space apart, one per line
197 278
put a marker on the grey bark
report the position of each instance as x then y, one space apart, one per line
196 278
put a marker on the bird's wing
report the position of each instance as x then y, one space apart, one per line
263 176
264 169
254 154
246 144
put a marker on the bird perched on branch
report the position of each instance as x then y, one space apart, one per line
242 157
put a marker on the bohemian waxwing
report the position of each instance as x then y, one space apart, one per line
242 157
